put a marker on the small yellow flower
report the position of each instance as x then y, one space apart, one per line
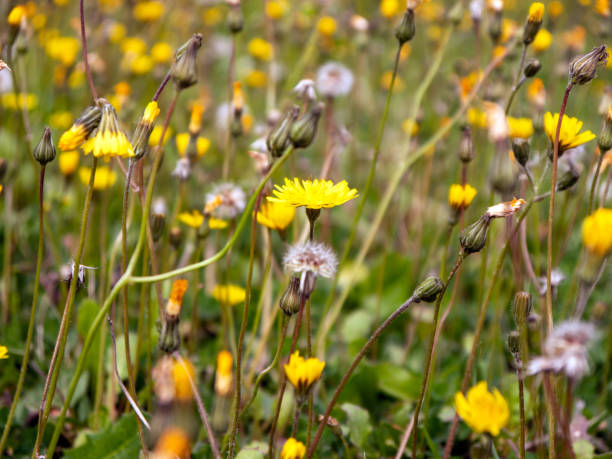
148 11
224 377
212 16
275 215
536 12
61 120
542 41
303 373
597 232
275 9
602 7
313 194
570 135
467 83
217 223
173 443
293 449
477 118
109 140
461 196
68 162
141 65
116 32
182 372
410 126
508 29
389 8
105 178
133 45
151 112
76 79
260 49
63 49
238 97
385 81
161 52
195 121
482 410
182 140
256 79
555 8
224 363
156 136
229 294
193 219
16 15
18 102
4 352
521 128
536 93
173 306
326 26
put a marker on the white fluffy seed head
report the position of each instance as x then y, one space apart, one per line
233 200
314 257
334 79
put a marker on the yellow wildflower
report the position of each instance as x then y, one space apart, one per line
12 101
224 378
597 232
256 79
148 11
303 373
575 38
156 136
141 65
602 7
477 118
555 8
16 15
4 352
61 120
483 411
116 32
238 97
467 83
182 372
76 78
133 45
193 219
182 141
217 223
389 8
521 128
229 294
39 21
570 135
508 29
63 49
161 52
173 306
212 16
461 196
542 40
80 129
326 26
109 140
536 12
260 49
275 215
410 126
385 81
68 162
174 443
275 9
105 177
536 93
313 194
151 112
293 449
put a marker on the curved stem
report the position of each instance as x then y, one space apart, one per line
26 354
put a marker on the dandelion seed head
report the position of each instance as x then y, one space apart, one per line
314 257
334 79
233 200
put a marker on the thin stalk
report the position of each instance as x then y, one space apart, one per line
296 416
594 184
519 376
518 81
26 354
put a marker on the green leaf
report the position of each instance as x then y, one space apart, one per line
118 441
356 326
358 422
397 381
254 450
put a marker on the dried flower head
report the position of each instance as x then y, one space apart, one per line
182 170
565 350
311 257
505 209
233 200
334 79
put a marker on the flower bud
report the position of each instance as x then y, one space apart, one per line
533 23
495 26
466 147
568 179
532 67
80 129
184 69
406 28
169 338
428 290
604 141
303 131
176 237
290 301
45 150
521 308
235 19
582 69
158 223
514 343
140 141
278 138
520 147
474 237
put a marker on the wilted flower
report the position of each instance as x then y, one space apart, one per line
182 171
505 209
565 350
334 79
232 200
311 257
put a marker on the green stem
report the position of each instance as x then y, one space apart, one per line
594 184
26 355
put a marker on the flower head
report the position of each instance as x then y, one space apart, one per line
327 26
109 140
597 232
313 194
228 294
582 69
224 377
232 200
536 12
305 89
275 215
4 352
173 443
542 41
184 145
260 49
482 410
311 257
179 287
521 128
303 373
293 449
105 177
148 11
334 79
570 135
461 196
183 372
505 209
80 130
565 350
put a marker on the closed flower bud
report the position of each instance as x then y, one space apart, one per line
582 69
303 131
158 223
521 308
466 147
235 19
278 138
520 147
140 142
495 26
176 236
290 301
184 69
81 129
45 150
532 67
514 343
533 23
428 290
568 179
406 28
169 338
474 237
604 141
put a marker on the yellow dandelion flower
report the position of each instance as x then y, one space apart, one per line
229 294
275 215
275 9
141 65
155 136
477 118
597 232
39 21
409 126
555 8
303 373
467 83
602 7
4 352
68 162
326 26
182 141
133 45
521 128
109 140
148 11
313 194
536 93
256 79
116 32
260 49
293 449
224 363
461 196
161 52
482 410
570 135
536 12
195 122
217 223
63 49
238 97
61 120
508 29
390 8
151 112
16 15
181 374
542 41
193 219
224 378
105 177
76 79
173 306
174 443
15 102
